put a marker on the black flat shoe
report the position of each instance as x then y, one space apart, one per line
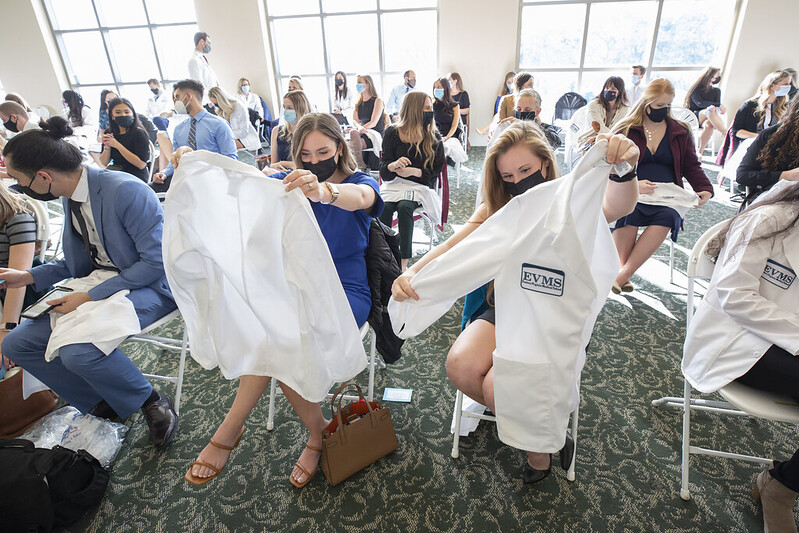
162 420
567 452
533 475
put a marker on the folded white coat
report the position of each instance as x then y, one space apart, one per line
552 259
671 195
254 280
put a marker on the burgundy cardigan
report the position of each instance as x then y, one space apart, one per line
686 163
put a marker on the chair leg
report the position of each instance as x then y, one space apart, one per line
686 440
181 367
575 417
372 354
457 436
270 419
671 261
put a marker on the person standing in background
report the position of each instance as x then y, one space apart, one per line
199 68
636 89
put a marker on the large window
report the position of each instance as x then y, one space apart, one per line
120 44
575 45
383 38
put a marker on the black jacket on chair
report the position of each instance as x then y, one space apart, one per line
382 268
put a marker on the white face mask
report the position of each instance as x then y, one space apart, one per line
180 108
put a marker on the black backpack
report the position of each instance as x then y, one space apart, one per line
42 489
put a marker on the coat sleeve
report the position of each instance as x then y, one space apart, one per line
468 265
389 153
745 118
738 284
750 172
692 168
429 175
139 211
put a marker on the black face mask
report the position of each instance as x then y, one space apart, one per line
155 91
610 95
658 115
411 83
10 126
716 81
524 115
339 82
43 196
524 185
427 118
323 169
124 121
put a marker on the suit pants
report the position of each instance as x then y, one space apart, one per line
83 375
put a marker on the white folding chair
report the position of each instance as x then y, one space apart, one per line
366 331
740 399
460 413
165 343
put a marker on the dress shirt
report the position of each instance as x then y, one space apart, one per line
395 99
634 93
212 133
81 195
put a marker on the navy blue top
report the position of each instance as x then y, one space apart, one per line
658 167
347 235
283 149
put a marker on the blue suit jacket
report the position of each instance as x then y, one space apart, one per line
129 220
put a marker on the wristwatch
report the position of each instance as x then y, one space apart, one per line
333 192
8 326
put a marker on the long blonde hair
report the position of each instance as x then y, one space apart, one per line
653 91
328 126
530 93
224 102
763 92
411 120
522 132
11 204
302 106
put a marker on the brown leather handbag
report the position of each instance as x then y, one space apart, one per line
360 434
16 414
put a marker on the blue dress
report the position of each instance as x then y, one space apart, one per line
659 168
283 149
347 235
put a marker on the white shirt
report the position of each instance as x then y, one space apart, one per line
553 261
345 104
158 104
81 195
254 280
200 70
252 101
750 304
243 130
634 93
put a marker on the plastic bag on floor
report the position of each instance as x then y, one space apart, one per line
71 429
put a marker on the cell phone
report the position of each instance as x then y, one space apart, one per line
41 307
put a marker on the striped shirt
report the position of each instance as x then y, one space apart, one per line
19 229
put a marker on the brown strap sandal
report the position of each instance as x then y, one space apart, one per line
309 475
194 480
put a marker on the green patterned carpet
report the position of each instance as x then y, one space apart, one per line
627 459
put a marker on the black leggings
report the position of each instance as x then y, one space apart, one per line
778 371
404 209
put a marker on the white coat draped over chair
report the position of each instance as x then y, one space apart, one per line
553 262
254 280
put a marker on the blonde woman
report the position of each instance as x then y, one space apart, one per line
519 159
237 116
295 106
368 120
17 248
344 202
249 98
413 156
764 109
667 156
295 83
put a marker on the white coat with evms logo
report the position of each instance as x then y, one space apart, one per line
751 304
552 259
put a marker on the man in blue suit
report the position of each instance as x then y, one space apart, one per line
113 222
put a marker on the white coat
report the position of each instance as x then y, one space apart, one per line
553 262
751 303
200 70
254 280
243 130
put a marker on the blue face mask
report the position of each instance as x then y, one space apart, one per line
359 87
509 86
207 49
783 90
290 116
636 78
438 93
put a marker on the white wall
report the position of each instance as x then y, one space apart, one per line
766 39
30 64
479 40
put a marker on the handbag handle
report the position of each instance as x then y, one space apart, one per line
335 401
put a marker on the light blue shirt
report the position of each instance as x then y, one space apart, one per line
395 99
212 133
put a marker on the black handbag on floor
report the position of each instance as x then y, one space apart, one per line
42 489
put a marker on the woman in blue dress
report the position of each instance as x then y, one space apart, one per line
344 201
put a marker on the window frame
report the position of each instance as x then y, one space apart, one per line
117 83
328 74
